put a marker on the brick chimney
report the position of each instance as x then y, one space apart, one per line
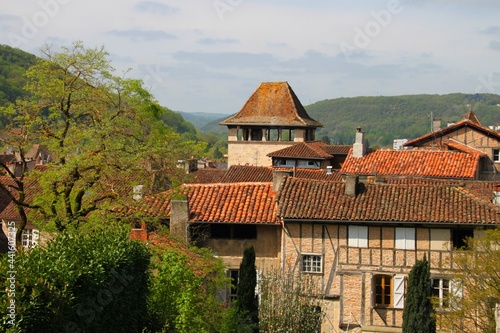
351 185
140 234
179 220
358 148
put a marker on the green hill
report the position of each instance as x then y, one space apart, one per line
13 65
384 119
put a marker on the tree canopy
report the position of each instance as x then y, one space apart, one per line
105 134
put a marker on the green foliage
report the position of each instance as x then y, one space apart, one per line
13 65
183 291
246 299
284 306
79 282
98 127
479 282
385 118
418 314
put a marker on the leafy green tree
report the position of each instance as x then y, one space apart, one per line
283 307
246 299
418 313
99 128
183 291
477 292
78 282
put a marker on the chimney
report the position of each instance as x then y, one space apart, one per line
140 234
496 195
351 185
359 149
179 220
137 192
329 170
278 177
436 125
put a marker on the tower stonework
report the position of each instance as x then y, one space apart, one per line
272 119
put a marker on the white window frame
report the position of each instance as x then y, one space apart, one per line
404 238
358 236
447 298
311 263
495 156
29 238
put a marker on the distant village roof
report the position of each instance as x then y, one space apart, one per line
468 120
315 200
273 104
417 163
251 174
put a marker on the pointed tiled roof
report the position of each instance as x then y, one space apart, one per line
416 163
326 201
225 203
273 104
469 120
305 150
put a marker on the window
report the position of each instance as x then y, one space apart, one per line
233 231
29 238
459 237
405 238
389 291
358 236
447 293
496 155
312 263
234 275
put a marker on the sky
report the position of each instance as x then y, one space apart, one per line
211 55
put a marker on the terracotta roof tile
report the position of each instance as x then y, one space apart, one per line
314 200
305 150
418 163
454 144
229 203
207 176
273 104
252 174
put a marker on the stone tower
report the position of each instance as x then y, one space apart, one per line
272 119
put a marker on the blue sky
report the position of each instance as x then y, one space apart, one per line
210 55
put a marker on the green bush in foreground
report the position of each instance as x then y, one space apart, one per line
87 282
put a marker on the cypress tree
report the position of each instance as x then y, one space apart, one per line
418 314
246 298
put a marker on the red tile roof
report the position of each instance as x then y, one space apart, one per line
304 150
314 200
252 174
417 163
230 203
207 176
273 104
456 145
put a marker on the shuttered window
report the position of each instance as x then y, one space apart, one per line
389 291
358 236
405 238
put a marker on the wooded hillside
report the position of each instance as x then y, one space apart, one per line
384 119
